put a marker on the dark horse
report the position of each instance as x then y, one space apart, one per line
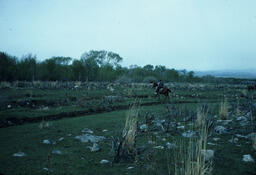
164 91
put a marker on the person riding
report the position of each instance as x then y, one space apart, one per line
160 85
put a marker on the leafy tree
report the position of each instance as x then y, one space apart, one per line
78 70
27 68
172 75
103 57
8 67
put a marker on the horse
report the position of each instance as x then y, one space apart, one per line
164 91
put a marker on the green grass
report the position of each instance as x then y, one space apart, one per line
76 157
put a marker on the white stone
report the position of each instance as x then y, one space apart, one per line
180 127
241 118
19 154
94 148
208 154
61 139
209 143
241 136
89 138
233 140
56 152
251 136
159 147
104 161
188 134
9 106
220 130
104 130
170 145
46 141
87 130
248 158
143 127
130 167
216 139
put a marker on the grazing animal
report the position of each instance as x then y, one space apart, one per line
164 91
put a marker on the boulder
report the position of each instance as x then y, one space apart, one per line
94 148
143 128
188 134
220 130
89 138
208 154
248 158
19 154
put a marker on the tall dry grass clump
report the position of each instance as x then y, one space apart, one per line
130 128
254 142
126 149
201 116
190 157
223 113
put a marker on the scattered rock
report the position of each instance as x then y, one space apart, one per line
180 127
151 142
208 154
170 145
251 135
143 128
210 143
45 169
86 130
241 136
89 138
241 118
248 158
46 142
188 134
9 106
159 147
49 142
220 130
224 122
104 161
45 108
104 130
233 140
130 167
56 152
19 154
94 148
216 139
61 139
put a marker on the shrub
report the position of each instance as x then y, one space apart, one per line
149 79
223 113
123 79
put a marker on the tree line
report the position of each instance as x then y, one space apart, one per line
92 66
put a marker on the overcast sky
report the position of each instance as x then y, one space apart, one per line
180 34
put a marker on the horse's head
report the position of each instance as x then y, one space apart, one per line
154 84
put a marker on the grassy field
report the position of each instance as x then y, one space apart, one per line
67 155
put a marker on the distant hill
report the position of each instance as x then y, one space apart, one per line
248 74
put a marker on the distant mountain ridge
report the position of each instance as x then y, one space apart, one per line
248 73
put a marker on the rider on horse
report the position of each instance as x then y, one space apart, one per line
160 85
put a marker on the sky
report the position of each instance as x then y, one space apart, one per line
180 34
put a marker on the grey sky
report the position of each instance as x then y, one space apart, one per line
180 34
